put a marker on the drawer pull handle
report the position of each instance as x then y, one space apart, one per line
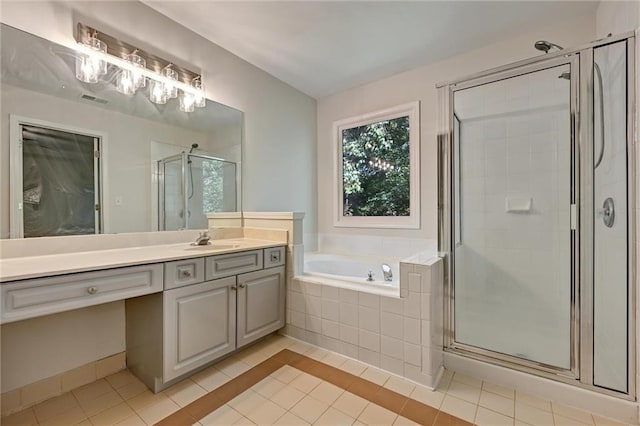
242 285
92 290
186 274
234 288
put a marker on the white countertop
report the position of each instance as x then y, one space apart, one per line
20 268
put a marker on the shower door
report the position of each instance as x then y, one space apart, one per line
514 251
537 215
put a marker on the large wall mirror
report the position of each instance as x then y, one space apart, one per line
79 158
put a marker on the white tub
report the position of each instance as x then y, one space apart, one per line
351 272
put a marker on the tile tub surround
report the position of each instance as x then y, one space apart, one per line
402 335
291 396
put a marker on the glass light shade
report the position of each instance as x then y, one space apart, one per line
126 83
98 54
187 102
85 69
138 64
199 99
170 89
157 93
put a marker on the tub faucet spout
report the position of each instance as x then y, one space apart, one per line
386 271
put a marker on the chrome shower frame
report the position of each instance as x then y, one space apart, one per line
581 62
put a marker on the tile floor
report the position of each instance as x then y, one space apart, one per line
291 396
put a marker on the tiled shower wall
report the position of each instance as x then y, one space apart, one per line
400 335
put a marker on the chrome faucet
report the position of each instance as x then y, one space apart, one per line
386 271
202 240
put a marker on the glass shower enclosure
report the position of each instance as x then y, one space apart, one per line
537 206
192 185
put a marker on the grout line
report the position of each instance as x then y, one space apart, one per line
409 408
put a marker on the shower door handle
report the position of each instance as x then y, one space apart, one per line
608 212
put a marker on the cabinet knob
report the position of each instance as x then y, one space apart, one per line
234 288
92 290
242 285
186 274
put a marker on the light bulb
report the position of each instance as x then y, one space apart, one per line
199 98
92 63
138 64
187 102
125 82
157 92
170 89
85 69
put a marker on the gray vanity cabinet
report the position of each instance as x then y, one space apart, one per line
261 297
199 325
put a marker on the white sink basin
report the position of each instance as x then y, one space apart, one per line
213 246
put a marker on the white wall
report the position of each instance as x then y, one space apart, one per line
278 152
617 17
419 84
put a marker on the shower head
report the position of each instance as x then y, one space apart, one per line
546 46
193 146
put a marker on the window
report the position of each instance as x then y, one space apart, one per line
377 169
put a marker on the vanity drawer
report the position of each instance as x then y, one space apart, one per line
183 272
225 265
274 257
43 296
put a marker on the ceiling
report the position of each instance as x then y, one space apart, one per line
322 47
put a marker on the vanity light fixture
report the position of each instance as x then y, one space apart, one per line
133 67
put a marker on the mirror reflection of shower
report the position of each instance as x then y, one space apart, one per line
195 183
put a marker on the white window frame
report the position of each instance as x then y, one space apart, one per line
411 109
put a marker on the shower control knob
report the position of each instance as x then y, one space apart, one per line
608 212
92 290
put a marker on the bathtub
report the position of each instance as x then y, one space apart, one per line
352 272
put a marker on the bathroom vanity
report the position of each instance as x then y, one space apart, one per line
186 306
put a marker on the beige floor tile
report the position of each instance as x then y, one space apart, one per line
41 390
111 364
286 374
403 421
185 392
78 377
113 415
146 398
25 417
55 406
265 414
428 396
290 419
400 385
87 422
232 367
243 421
10 401
305 382
532 415
357 423
134 420
463 391
572 413
268 387
497 403
224 415
131 390
333 417
287 397
246 402
375 375
374 415
350 404
602 421
459 408
317 353
101 403
566 421
309 409
486 417
499 390
334 359
445 381
92 390
71 417
210 379
353 367
467 380
301 347
153 413
533 401
326 392
121 378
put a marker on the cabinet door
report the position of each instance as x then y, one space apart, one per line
199 325
261 297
